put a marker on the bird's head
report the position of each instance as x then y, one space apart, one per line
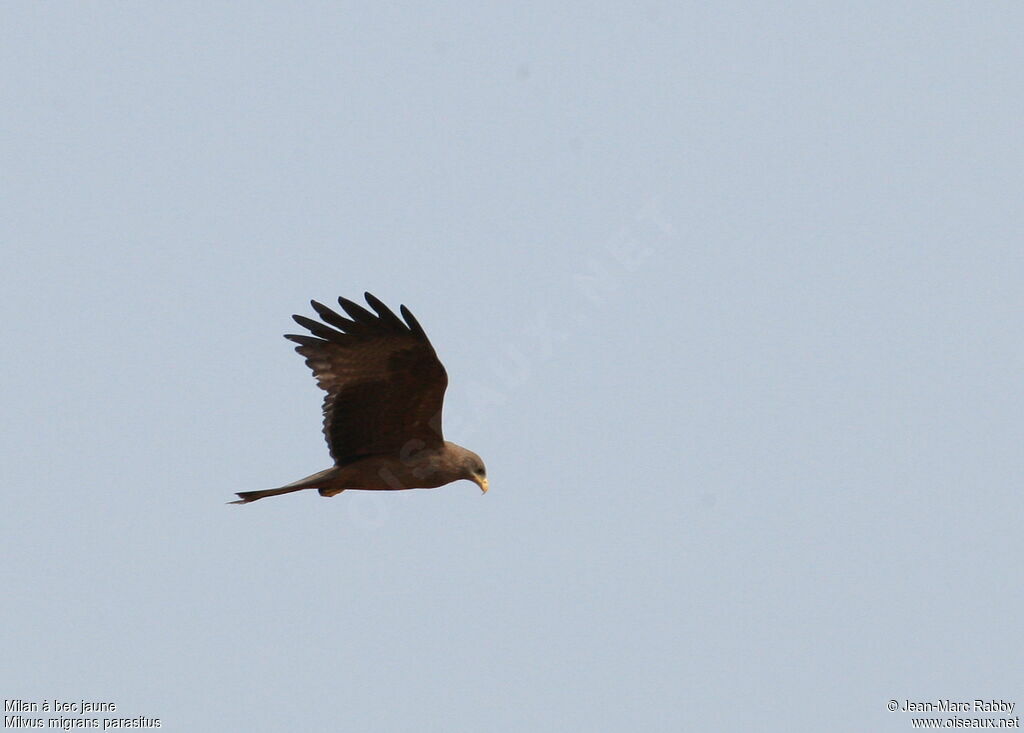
472 468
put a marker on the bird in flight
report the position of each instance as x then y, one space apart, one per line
382 413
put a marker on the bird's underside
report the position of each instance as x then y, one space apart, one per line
382 411
428 469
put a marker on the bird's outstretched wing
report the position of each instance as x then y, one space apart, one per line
385 385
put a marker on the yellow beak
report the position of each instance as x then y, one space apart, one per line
482 483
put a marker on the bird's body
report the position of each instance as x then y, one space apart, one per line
382 413
426 470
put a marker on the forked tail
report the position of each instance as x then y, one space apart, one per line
315 481
244 497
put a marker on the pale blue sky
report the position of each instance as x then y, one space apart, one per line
730 296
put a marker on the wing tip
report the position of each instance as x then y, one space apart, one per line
385 316
361 322
303 340
413 324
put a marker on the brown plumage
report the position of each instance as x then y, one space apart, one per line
382 413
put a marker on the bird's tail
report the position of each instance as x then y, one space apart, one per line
310 482
244 497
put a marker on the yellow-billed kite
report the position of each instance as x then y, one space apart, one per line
382 413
